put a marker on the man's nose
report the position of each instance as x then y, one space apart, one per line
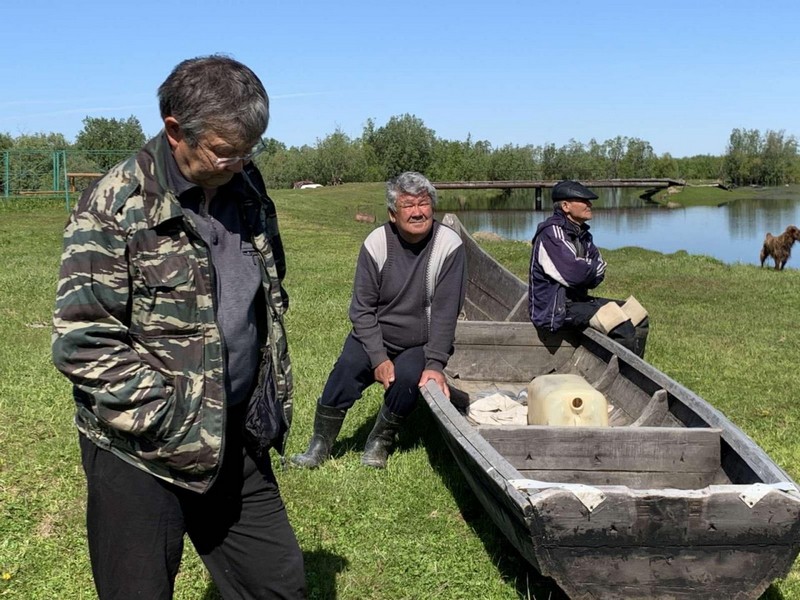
236 167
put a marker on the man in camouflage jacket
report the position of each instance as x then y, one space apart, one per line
169 324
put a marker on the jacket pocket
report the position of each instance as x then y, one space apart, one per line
265 422
164 296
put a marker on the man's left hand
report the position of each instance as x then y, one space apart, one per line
436 376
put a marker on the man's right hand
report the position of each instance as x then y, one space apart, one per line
384 373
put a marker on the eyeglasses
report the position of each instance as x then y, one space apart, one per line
229 161
423 205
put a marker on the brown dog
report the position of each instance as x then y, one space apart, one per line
779 247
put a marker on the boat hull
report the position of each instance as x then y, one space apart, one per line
673 501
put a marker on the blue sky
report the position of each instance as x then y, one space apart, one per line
678 74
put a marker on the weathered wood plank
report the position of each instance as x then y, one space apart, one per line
636 480
714 516
644 449
651 573
518 351
508 334
506 364
655 411
603 383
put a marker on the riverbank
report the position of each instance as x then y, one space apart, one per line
709 194
415 530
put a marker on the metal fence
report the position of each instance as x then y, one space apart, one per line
59 173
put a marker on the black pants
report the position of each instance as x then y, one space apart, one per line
136 525
633 338
352 374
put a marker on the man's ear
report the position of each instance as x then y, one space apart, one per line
392 216
173 131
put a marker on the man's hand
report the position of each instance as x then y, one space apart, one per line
384 373
436 376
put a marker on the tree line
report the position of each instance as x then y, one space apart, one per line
404 142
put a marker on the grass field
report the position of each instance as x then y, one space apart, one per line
413 531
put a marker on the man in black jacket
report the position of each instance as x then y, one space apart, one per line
565 265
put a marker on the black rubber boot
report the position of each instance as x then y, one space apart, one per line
381 439
640 339
625 335
327 424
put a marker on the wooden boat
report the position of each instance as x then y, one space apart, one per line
671 500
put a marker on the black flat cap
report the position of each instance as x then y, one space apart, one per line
572 190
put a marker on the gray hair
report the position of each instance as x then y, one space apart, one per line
411 183
215 94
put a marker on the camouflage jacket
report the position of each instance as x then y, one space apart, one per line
135 326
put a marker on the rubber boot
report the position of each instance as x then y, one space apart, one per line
327 424
625 335
381 439
640 338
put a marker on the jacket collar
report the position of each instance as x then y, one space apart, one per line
162 182
561 219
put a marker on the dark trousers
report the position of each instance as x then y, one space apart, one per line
633 338
136 524
352 374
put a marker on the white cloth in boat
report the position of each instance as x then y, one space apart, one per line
497 409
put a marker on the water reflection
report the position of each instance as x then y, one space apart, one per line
732 233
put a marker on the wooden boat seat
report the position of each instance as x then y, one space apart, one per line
637 457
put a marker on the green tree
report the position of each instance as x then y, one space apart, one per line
33 164
106 141
287 165
338 160
272 146
512 162
665 166
700 166
449 161
597 159
615 151
551 169
638 160
575 161
777 158
742 163
403 144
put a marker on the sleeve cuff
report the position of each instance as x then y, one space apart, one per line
378 358
434 365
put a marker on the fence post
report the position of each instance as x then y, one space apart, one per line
65 178
6 174
56 164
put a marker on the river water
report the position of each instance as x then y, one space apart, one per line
732 233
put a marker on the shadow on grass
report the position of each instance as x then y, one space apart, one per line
529 583
772 593
321 569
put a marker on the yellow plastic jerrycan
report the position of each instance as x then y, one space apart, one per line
565 400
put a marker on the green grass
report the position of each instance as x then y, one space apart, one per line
703 195
415 530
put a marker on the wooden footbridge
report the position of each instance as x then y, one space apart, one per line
650 185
